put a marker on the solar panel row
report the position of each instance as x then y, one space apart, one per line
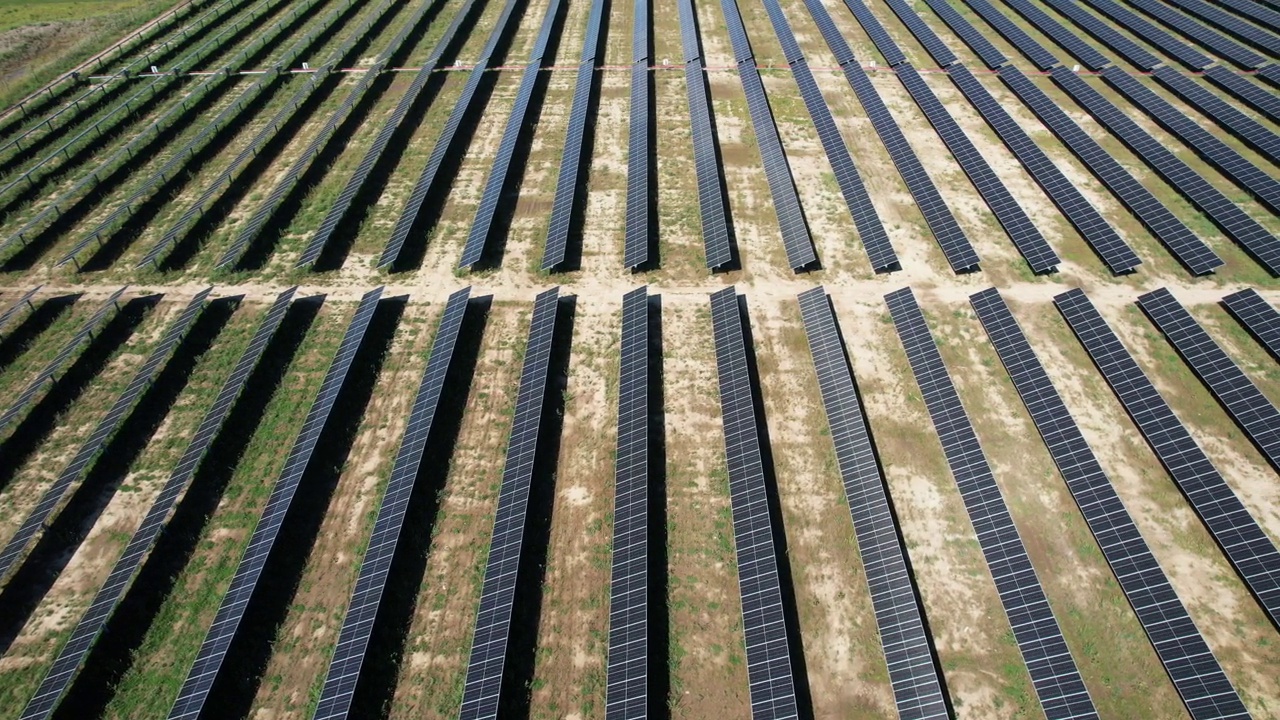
1025 236
1107 35
50 502
480 693
50 371
1246 404
1260 319
1264 16
990 56
18 308
888 48
1010 31
1221 112
1058 685
1072 43
782 29
362 610
87 630
769 673
1270 73
737 33
1159 38
570 169
636 240
640 31
688 30
1250 551
235 603
1236 27
1206 37
1248 92
835 39
1190 250
922 32
627 685
1195 672
1238 225
1245 174
715 231
1082 214
444 144
913 672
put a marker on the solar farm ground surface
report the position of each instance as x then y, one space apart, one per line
435 588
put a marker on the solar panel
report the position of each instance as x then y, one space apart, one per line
108 309
1195 672
1016 36
1267 103
769 672
1255 11
1208 38
1270 73
1072 43
888 48
1086 219
913 672
715 231
19 306
1246 404
1244 543
1111 37
1025 236
737 33
922 32
15 549
870 228
591 42
782 29
1245 174
636 242
86 632
640 31
830 33
976 41
213 651
1053 672
627 686
955 245
357 625
1221 112
1227 215
443 145
570 170
688 30
480 693
1236 27
786 202
1159 38
1259 318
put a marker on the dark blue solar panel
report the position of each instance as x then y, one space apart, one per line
922 32
737 33
1223 46
1248 92
1107 35
1264 16
353 640
18 308
1025 236
782 29
1227 215
1236 27
990 56
769 673
47 375
913 672
570 167
715 232
1016 36
640 31
1081 50
688 30
480 694
1270 73
1246 404
1159 38
636 243
1250 551
1053 672
1195 672
885 44
627 686
1259 318
830 33
1221 112
86 632
1086 219
213 651
51 500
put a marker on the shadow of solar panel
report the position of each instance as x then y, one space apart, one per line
1053 672
627 685
570 166
100 318
1246 404
769 674
955 245
73 653
480 693
1237 533
870 228
213 651
51 500
1159 38
1259 318
1225 115
922 32
1086 219
888 48
1227 215
1205 36
990 56
1243 89
636 240
1025 236
1236 27
1072 43
715 231
1105 34
1195 672
357 625
18 308
1245 174
917 687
